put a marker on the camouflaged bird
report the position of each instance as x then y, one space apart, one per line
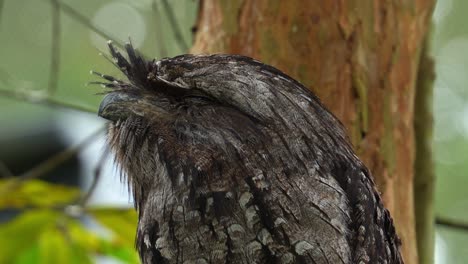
232 161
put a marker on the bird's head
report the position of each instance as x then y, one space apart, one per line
203 114
166 88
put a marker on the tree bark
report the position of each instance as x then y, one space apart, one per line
360 57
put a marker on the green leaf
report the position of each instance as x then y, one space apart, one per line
122 222
36 193
22 233
94 244
28 256
56 246
47 236
37 237
80 255
121 252
53 248
84 238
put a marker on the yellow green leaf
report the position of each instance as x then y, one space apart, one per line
23 232
116 246
44 236
84 237
36 193
125 254
57 246
28 256
53 248
122 222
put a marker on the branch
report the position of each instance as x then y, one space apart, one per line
38 97
158 31
48 165
2 3
97 174
55 47
59 158
4 171
452 223
51 163
175 26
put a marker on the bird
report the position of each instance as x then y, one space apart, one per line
230 160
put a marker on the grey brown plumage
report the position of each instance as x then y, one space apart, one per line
232 161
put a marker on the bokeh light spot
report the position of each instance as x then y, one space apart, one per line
121 21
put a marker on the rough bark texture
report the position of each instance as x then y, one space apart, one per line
360 57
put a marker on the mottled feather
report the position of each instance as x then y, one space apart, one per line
232 161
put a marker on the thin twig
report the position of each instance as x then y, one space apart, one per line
158 30
4 171
96 176
51 163
59 158
85 21
40 98
55 48
2 4
175 26
452 223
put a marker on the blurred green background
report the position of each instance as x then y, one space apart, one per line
36 223
450 51
31 133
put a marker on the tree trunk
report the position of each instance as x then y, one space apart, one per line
360 57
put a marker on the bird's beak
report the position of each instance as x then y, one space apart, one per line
116 105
